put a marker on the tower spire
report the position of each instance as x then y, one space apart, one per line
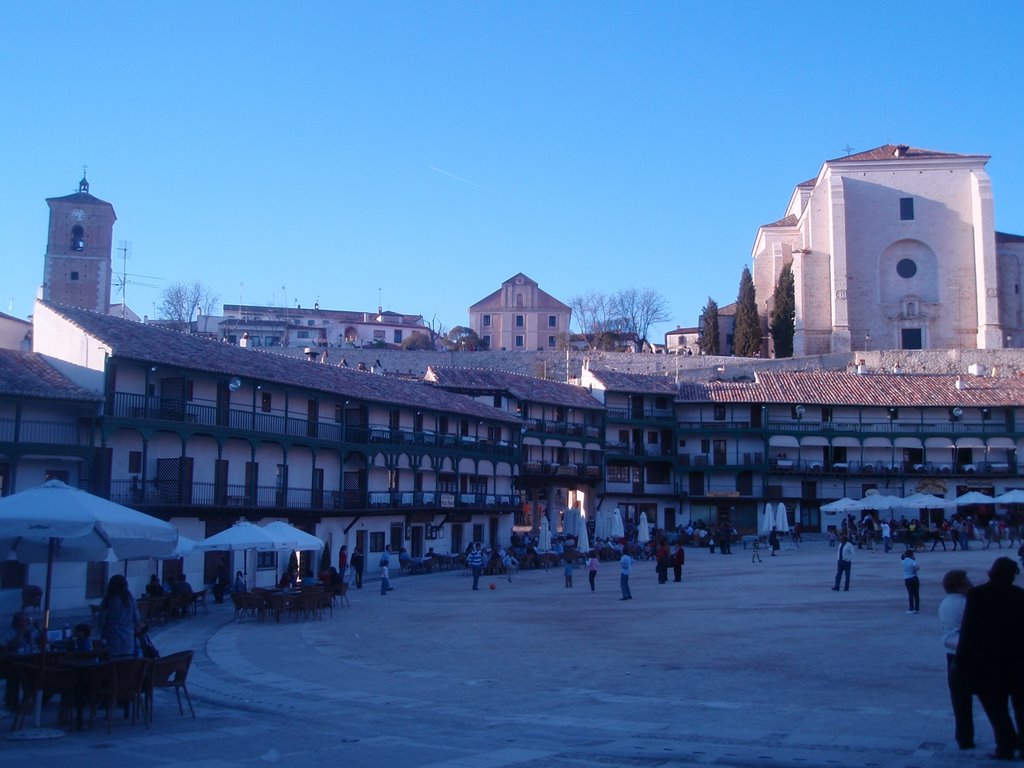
83 185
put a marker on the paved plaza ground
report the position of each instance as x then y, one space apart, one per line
741 664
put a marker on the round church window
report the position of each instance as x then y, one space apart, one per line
906 268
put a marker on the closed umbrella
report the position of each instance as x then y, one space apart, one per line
582 537
644 534
544 545
781 518
766 521
618 531
57 523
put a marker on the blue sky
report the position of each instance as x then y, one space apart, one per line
319 151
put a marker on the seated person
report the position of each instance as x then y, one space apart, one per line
333 579
404 560
153 588
81 638
20 640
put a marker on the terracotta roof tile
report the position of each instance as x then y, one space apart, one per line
520 386
887 152
787 221
842 388
26 374
162 346
616 381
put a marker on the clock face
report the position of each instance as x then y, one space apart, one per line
78 214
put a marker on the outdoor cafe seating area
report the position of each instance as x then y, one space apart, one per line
309 601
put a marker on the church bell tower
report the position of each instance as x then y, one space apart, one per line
79 246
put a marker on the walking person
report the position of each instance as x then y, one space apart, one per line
951 615
118 618
911 580
475 561
886 536
385 584
661 562
625 567
844 562
989 653
592 568
678 560
756 547
356 562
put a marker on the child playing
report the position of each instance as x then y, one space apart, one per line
756 557
385 585
568 573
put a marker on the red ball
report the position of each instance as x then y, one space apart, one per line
494 586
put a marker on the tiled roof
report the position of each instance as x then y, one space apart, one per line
162 346
788 221
808 183
616 381
82 198
522 387
887 152
842 388
26 374
544 299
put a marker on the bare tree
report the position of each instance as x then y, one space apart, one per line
639 309
593 315
181 302
436 331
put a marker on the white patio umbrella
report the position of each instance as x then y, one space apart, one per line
242 537
925 501
54 522
1016 496
766 520
643 535
781 518
880 502
974 497
841 505
618 531
291 537
582 538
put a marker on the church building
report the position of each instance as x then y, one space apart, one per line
77 265
895 248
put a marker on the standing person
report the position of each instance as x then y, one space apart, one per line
357 566
342 559
756 547
220 584
844 562
951 616
568 572
592 568
475 561
385 583
661 562
678 559
886 536
118 618
625 566
773 540
911 580
239 585
21 639
989 652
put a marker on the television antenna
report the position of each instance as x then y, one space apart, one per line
126 278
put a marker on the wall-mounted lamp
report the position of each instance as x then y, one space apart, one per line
893 412
799 411
235 384
152 368
955 413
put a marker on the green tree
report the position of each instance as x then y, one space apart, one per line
708 340
782 324
747 333
417 340
463 339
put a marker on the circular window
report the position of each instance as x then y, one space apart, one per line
906 268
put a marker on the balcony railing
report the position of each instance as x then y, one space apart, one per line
552 469
895 427
192 412
947 468
638 449
204 494
562 428
43 432
640 414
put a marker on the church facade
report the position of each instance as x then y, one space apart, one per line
895 248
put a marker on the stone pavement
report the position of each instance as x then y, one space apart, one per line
742 664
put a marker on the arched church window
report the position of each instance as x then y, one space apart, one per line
77 238
906 268
519 300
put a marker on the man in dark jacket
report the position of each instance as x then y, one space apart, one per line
989 654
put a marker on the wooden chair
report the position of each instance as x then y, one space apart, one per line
198 598
170 672
341 594
49 680
121 681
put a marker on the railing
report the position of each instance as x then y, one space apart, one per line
896 427
640 414
790 466
552 469
570 428
134 493
43 432
715 426
195 413
639 449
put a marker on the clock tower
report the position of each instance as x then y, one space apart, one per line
77 267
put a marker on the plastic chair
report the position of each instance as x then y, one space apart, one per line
170 672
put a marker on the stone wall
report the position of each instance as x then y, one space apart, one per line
552 365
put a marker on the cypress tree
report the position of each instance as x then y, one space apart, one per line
709 328
747 334
782 325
